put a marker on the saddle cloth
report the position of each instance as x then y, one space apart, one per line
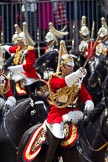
38 137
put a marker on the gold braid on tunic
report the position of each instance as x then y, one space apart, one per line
19 56
70 92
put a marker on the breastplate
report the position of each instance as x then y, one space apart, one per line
19 57
68 94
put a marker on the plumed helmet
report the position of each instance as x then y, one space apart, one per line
84 31
49 37
53 34
67 59
25 36
103 31
64 58
15 38
16 34
22 37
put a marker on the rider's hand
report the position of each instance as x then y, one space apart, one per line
10 102
81 72
89 106
16 68
73 116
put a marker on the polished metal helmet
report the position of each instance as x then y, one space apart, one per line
67 59
22 37
16 34
64 58
84 31
49 37
103 31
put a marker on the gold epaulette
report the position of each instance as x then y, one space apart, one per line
30 48
57 74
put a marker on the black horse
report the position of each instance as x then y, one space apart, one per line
46 63
15 122
96 79
89 147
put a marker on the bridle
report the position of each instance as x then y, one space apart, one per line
80 150
8 110
100 134
33 112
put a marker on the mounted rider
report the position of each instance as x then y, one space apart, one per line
51 38
102 47
64 88
23 71
84 35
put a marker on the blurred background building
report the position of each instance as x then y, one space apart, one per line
38 13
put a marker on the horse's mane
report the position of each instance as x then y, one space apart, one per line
95 113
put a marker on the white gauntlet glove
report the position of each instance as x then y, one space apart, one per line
74 76
89 106
16 68
5 48
11 102
81 72
73 116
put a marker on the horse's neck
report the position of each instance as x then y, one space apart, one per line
95 137
17 113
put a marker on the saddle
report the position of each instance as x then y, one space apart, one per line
39 137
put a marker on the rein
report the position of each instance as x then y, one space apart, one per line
7 134
101 147
80 150
5 128
7 112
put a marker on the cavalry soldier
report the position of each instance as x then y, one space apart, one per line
87 46
6 94
51 38
23 70
64 88
84 35
102 47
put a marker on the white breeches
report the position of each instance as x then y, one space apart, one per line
56 129
17 76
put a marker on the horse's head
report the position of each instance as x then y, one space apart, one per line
98 74
37 110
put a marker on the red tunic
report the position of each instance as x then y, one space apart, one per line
55 114
28 63
91 49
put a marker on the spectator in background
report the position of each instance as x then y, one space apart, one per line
52 11
29 10
60 13
45 16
